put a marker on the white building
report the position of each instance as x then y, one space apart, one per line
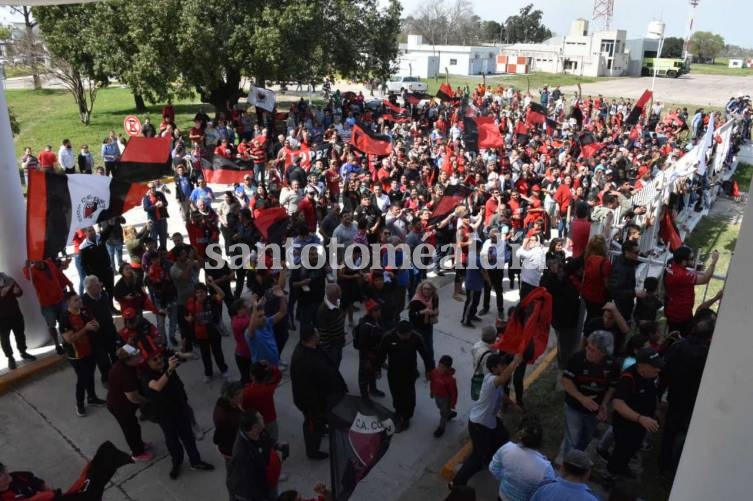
424 60
602 53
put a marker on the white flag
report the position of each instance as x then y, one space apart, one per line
262 98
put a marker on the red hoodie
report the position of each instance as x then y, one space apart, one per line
443 384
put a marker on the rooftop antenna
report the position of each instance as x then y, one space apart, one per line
603 12
686 45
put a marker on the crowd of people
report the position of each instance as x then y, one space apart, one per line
543 206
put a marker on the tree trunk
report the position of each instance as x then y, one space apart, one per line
140 104
227 94
31 49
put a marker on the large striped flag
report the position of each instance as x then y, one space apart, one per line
60 204
225 171
640 105
368 142
144 159
445 92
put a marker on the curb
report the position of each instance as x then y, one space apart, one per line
27 372
448 470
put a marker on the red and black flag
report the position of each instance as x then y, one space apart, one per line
394 110
551 126
370 143
636 132
536 114
445 92
640 105
359 436
272 223
60 204
589 146
453 195
482 133
144 159
668 230
521 133
416 97
224 171
94 478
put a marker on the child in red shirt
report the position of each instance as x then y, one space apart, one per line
444 391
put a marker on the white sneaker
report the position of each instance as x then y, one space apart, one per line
207 379
225 375
432 274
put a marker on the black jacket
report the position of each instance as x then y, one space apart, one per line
401 354
247 470
316 383
95 259
565 303
367 338
621 285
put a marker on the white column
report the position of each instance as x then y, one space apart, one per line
716 461
13 228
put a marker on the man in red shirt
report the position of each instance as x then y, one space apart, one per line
580 229
679 284
47 159
259 394
307 207
50 285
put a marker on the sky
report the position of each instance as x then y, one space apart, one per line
729 18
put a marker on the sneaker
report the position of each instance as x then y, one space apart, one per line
202 466
59 349
468 324
476 318
438 432
483 311
225 375
283 477
207 379
96 402
142 458
175 471
11 363
453 414
318 456
458 297
28 356
377 393
432 274
80 411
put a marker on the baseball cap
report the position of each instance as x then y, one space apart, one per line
578 459
129 313
127 351
649 356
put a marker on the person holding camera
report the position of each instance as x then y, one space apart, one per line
167 395
79 326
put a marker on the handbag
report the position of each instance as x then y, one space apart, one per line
478 378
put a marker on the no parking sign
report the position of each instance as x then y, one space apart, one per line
132 125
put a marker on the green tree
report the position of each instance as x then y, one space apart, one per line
5 33
71 39
491 31
30 45
672 47
705 45
139 54
526 27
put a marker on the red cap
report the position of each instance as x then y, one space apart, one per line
643 170
129 313
372 304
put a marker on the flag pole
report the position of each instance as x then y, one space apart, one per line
12 226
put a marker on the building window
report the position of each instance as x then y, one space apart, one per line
453 62
571 65
609 64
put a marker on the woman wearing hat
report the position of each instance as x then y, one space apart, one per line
424 313
124 398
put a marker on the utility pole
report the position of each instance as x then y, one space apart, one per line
686 46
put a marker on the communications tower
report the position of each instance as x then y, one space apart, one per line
603 12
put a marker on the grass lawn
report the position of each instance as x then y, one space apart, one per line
719 232
16 71
50 115
537 81
720 68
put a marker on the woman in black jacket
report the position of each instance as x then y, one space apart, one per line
227 418
559 280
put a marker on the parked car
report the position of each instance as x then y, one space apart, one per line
397 84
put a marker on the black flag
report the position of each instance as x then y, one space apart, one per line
359 435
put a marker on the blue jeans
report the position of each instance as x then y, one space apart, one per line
115 250
579 430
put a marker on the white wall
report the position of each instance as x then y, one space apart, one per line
716 461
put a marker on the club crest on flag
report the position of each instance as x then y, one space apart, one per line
89 208
260 97
365 436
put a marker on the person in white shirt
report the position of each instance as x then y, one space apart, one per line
484 426
66 158
533 256
383 201
519 467
289 198
482 349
